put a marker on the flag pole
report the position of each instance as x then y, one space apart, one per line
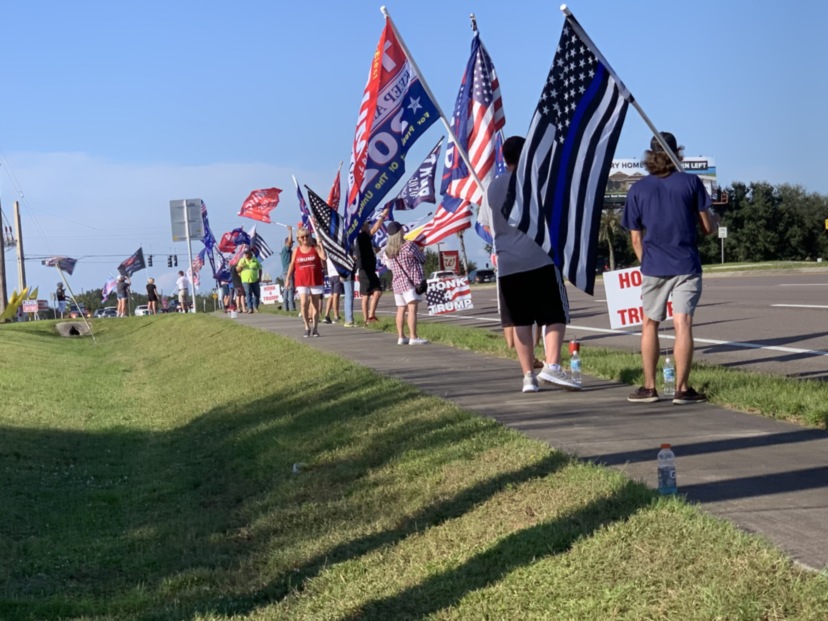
463 155
570 18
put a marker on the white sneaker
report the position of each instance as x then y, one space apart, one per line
417 341
530 383
402 341
554 374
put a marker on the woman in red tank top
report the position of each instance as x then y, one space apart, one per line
306 268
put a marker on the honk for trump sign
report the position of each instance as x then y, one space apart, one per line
623 289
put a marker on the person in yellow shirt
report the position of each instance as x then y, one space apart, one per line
250 269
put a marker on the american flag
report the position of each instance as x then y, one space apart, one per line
195 268
478 117
444 223
563 168
303 206
330 232
259 204
335 193
109 287
447 295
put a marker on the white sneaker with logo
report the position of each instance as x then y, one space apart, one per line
554 374
402 341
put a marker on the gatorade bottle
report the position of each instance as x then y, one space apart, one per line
666 470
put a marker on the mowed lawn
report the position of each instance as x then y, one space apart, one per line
149 476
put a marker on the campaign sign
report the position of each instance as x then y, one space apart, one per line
623 289
448 295
30 306
271 294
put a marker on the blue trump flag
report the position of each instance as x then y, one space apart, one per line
395 111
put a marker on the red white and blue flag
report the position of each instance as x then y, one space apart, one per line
395 111
334 196
259 204
303 207
478 117
452 216
557 191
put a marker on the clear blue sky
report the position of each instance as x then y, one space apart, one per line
111 109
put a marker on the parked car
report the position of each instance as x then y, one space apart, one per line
141 310
442 274
75 311
107 311
484 275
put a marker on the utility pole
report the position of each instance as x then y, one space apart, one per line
21 268
4 300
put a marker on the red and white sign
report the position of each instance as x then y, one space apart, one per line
623 289
271 294
450 261
30 306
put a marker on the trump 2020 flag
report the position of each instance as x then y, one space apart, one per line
420 187
259 204
334 196
395 111
560 179
133 264
478 117
328 228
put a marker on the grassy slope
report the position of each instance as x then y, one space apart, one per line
149 477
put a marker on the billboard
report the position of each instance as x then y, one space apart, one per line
625 172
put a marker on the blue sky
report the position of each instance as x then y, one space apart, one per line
112 109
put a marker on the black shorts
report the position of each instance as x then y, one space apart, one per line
368 282
533 297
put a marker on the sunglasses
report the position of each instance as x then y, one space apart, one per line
302 237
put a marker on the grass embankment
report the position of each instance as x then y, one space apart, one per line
149 477
774 396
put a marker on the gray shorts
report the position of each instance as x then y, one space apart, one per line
655 291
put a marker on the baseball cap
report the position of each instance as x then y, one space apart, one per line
655 146
393 227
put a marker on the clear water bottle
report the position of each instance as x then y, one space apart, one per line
669 372
575 367
666 470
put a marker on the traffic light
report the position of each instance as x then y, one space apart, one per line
175 260
169 261
149 260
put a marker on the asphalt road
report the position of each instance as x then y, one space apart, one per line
773 321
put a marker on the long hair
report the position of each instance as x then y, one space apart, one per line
395 243
658 162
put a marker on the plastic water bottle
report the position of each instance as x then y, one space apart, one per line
669 372
666 470
575 367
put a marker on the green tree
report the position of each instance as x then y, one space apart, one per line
610 231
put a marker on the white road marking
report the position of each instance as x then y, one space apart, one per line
739 344
797 306
803 284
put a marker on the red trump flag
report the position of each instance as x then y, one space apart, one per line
259 204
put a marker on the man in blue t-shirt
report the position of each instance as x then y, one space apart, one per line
662 213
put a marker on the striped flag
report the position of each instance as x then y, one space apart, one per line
109 287
560 179
336 190
259 204
259 245
330 231
444 223
478 117
65 264
303 206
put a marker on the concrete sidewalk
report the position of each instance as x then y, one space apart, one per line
766 476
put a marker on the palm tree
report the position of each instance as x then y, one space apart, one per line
609 230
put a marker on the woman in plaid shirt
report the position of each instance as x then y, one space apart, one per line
406 262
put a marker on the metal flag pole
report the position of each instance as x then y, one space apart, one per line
75 302
464 156
570 18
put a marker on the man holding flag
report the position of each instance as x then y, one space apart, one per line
531 287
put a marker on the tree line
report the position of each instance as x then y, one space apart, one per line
764 222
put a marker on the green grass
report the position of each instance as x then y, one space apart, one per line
149 477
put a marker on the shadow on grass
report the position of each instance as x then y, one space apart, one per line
519 549
158 524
